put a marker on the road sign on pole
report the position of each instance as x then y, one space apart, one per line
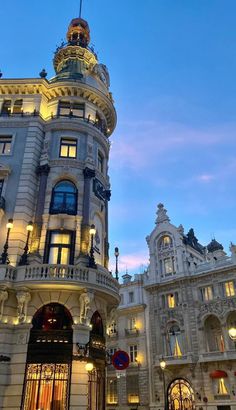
120 360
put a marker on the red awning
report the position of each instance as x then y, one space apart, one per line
218 374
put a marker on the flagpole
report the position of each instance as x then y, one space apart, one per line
80 10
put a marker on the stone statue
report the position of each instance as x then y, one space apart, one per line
23 298
85 301
161 214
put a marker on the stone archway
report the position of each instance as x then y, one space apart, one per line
49 358
180 395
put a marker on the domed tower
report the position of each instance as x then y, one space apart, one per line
56 292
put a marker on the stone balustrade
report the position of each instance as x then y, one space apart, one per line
30 274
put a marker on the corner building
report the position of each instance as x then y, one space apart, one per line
56 292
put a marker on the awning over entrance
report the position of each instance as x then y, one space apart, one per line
218 374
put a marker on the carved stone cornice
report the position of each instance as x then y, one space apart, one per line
89 173
61 89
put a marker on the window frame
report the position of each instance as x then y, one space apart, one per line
68 147
8 140
71 246
53 210
71 106
100 162
204 291
131 297
227 289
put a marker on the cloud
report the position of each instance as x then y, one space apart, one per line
132 262
205 178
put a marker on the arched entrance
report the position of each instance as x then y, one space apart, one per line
180 395
49 357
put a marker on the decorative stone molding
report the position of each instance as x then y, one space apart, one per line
3 298
85 302
218 308
23 298
112 316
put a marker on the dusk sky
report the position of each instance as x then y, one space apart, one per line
172 65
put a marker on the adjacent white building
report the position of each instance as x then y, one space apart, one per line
185 305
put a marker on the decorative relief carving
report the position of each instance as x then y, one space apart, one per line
23 298
218 307
3 298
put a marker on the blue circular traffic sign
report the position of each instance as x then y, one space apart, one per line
120 360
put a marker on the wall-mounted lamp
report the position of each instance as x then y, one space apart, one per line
92 233
24 256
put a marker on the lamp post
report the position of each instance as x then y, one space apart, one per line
163 366
92 263
232 334
4 256
24 256
116 255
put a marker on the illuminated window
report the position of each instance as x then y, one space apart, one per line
229 289
17 108
132 323
171 300
166 241
68 148
207 293
6 107
60 248
222 389
64 198
5 144
100 162
112 329
133 353
46 386
132 386
112 396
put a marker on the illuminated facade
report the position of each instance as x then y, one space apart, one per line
56 292
186 302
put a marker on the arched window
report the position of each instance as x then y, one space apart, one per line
97 325
213 334
180 395
165 241
6 107
174 341
64 198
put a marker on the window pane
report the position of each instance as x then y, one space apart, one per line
168 265
65 253
65 186
53 256
60 238
229 289
64 151
171 301
72 151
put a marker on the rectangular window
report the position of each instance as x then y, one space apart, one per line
67 108
64 108
17 107
5 144
78 110
112 396
100 162
131 297
171 300
207 293
47 386
229 289
6 107
132 383
59 249
133 353
1 186
132 323
112 329
169 266
68 148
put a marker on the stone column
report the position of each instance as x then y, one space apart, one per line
43 172
88 175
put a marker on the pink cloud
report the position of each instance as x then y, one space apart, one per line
132 262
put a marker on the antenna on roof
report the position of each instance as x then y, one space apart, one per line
80 9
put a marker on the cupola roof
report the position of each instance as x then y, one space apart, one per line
214 246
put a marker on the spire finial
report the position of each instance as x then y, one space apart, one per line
80 9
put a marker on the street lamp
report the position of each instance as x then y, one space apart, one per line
92 232
116 255
24 256
163 366
4 256
232 334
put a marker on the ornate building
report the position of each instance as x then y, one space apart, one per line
56 292
187 303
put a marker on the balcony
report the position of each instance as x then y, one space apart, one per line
217 356
131 332
33 275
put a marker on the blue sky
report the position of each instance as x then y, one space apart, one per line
172 65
